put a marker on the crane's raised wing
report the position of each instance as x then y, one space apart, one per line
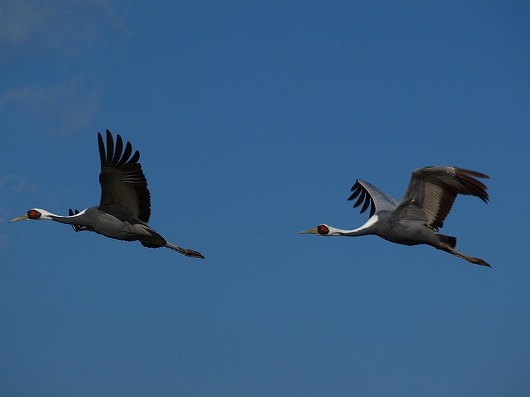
123 184
432 192
368 195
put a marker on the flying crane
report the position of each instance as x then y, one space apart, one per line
417 218
125 205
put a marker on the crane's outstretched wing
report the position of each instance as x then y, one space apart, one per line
370 195
432 192
123 184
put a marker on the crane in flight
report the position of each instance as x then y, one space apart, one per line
125 205
420 214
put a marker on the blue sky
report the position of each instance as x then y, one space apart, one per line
253 120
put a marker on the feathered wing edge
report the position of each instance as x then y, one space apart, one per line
432 191
123 183
371 196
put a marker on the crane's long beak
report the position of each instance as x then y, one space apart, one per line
310 231
23 217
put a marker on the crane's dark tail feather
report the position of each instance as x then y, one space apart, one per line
447 248
449 240
184 251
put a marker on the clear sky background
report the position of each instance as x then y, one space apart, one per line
253 120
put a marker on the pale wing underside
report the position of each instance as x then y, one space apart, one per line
432 192
123 184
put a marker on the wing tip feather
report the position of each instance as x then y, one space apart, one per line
363 197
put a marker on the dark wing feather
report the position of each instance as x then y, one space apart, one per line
117 150
76 228
126 154
371 196
123 184
433 190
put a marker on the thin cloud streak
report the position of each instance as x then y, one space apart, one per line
52 24
21 19
72 104
13 184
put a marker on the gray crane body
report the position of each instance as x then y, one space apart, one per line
116 226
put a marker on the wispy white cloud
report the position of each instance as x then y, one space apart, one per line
19 20
10 184
67 29
71 104
59 24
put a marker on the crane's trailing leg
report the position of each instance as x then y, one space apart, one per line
477 261
185 251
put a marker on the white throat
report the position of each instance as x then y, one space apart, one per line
354 232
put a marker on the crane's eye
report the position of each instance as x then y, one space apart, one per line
34 214
322 229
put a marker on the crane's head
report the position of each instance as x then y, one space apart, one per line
33 214
320 230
